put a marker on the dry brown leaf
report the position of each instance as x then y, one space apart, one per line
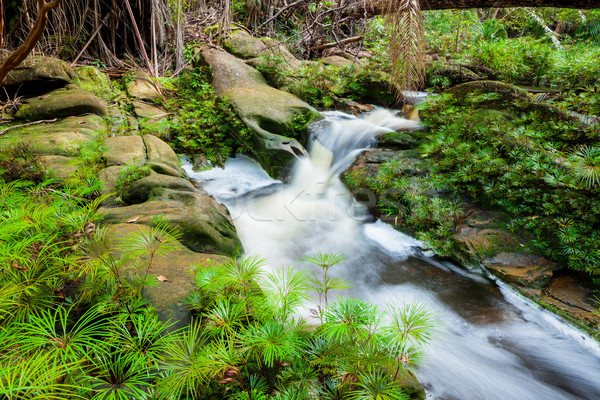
163 278
133 219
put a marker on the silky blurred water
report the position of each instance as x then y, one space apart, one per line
492 344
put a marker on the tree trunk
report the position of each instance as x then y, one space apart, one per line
356 8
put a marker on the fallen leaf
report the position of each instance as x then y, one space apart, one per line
163 278
132 220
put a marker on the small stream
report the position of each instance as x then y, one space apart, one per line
492 344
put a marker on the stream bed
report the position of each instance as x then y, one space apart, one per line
492 343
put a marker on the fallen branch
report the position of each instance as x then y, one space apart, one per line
90 40
333 44
279 12
10 128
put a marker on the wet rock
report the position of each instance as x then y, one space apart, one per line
140 86
60 103
63 138
205 224
568 295
277 111
398 140
141 190
94 81
160 152
274 118
121 150
355 108
527 270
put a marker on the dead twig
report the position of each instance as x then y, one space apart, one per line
10 128
333 44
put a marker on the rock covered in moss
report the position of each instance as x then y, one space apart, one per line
94 81
66 102
141 86
40 70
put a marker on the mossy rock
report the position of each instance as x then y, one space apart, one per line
140 86
205 225
230 72
38 70
336 61
141 190
71 101
63 138
170 296
242 44
158 151
121 150
94 81
60 168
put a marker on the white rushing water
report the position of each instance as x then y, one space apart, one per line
493 344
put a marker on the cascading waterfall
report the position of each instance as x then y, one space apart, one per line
493 344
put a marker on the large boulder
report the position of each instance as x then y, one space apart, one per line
38 72
60 103
64 137
230 72
140 86
243 45
94 81
205 225
173 273
141 190
121 150
159 152
274 115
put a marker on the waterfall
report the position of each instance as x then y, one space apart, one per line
493 343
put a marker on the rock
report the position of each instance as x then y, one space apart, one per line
567 294
230 72
150 117
94 81
62 103
527 270
336 61
38 70
140 86
277 111
63 138
204 223
243 45
60 167
165 169
141 190
276 49
278 114
121 150
398 140
355 108
170 296
109 177
158 151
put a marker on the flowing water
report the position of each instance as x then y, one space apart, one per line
493 344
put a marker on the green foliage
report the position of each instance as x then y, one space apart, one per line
541 171
205 122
